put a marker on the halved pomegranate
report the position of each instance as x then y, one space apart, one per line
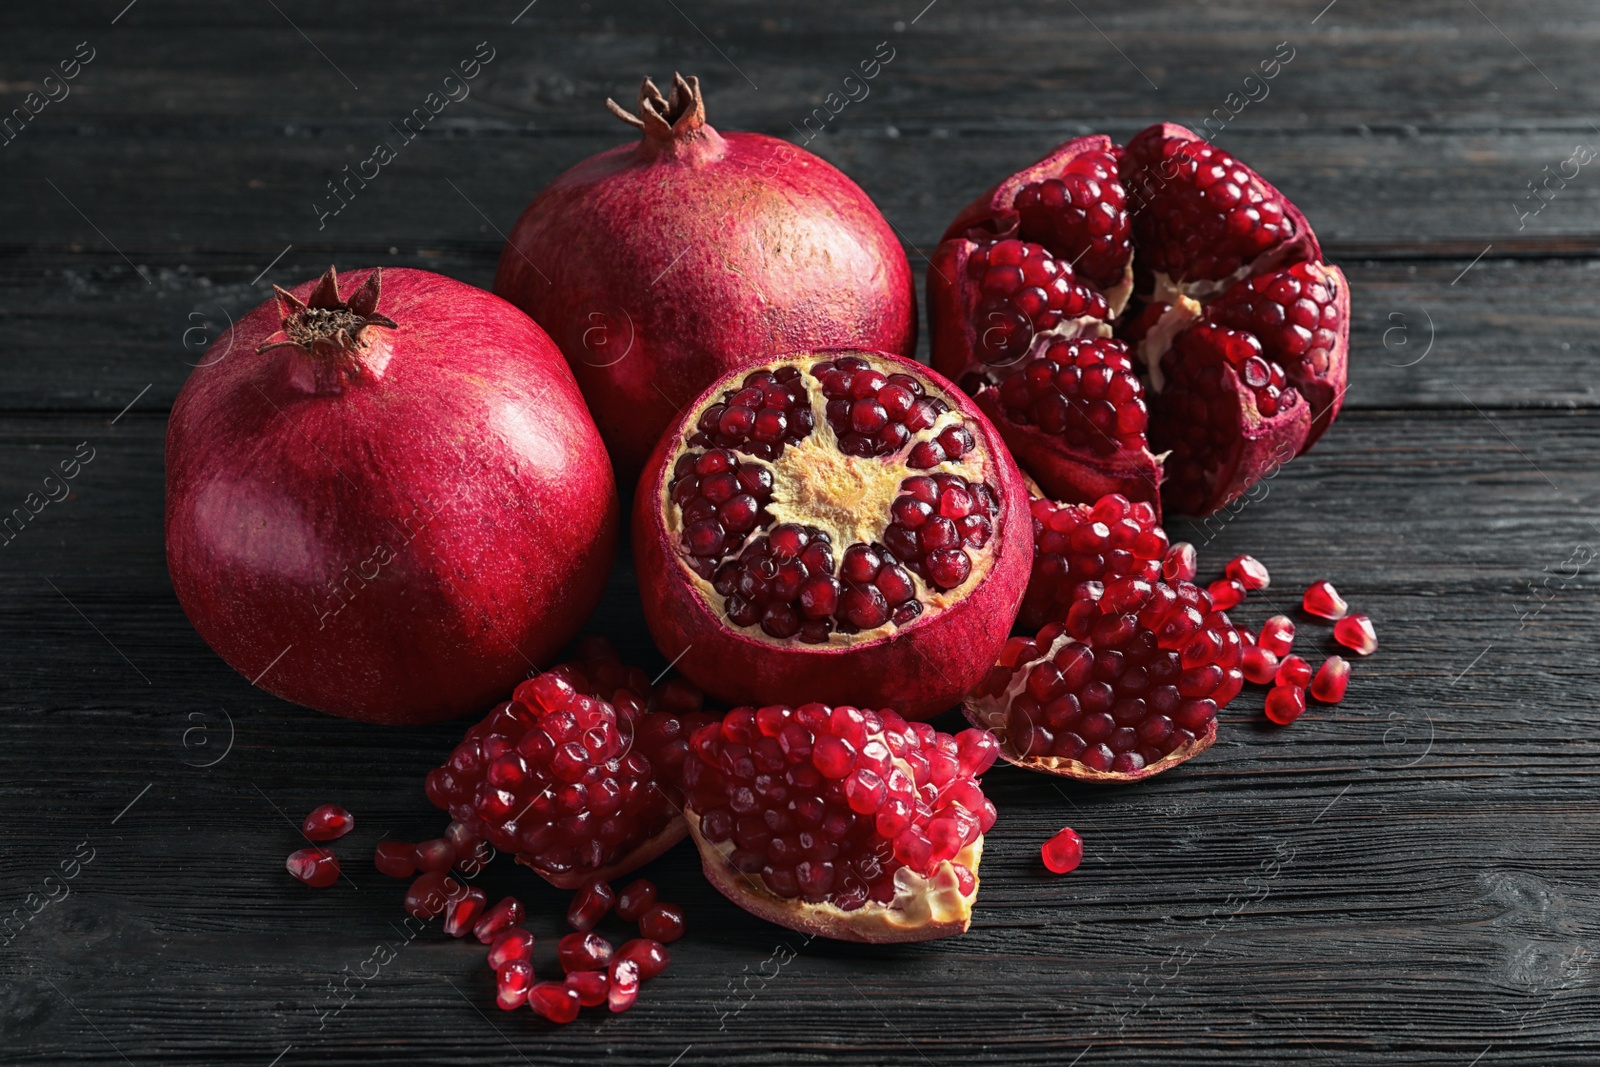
578 774
1231 336
1127 686
841 822
838 526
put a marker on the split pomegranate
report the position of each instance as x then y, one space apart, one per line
316 867
1127 686
1355 632
327 823
841 822
1063 851
1105 305
1075 543
660 266
387 502
837 526
575 775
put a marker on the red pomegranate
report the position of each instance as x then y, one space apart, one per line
659 266
387 504
1154 321
841 526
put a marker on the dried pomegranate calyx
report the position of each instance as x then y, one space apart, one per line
325 325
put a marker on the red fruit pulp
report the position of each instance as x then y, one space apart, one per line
320 534
463 913
1294 671
590 986
513 944
1277 635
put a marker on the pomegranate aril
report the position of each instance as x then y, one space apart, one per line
583 952
636 898
316 867
1248 572
1258 664
512 982
1355 632
591 987
506 914
556 1001
327 823
663 922
650 955
435 856
1293 671
1226 593
513 944
1063 852
1285 704
430 894
1181 563
397 859
1077 543
1277 635
464 911
1331 680
590 904
1323 600
623 987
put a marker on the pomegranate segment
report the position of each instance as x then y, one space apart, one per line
512 982
1063 851
651 956
1239 334
583 952
1126 687
1293 671
590 986
513 944
825 527
1075 543
841 822
1260 665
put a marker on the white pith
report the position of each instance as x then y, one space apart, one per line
848 497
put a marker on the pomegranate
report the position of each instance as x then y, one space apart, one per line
1075 543
576 774
840 822
1154 321
836 526
1127 686
387 503
662 265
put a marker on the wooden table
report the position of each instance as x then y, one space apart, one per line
1410 877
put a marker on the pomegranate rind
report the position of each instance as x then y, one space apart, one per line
920 669
929 909
992 717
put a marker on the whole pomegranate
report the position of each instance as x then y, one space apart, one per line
842 526
1152 321
659 266
386 504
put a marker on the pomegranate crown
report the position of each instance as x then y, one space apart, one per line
668 122
324 325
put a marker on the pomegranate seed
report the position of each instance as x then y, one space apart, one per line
635 899
512 982
1355 632
590 904
513 944
435 856
623 988
663 923
583 952
591 987
503 916
1323 600
1285 704
1332 678
1226 593
430 894
1248 572
316 867
464 911
1063 852
1074 543
651 956
397 859
1277 635
556 1001
1181 563
1293 671
327 823
1259 665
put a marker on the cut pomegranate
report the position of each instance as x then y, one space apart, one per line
1293 671
590 986
1181 563
513 944
1239 334
623 987
1332 678
1226 594
464 911
1323 600
664 922
1258 664
507 913
635 899
590 904
887 850
825 527
556 1001
1285 704
327 823
651 956
435 856
583 952
1248 572
1355 632
575 775
397 859
316 867
1126 687
1063 852
512 982
430 894
1277 635
1075 543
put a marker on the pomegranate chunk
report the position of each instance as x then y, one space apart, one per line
327 823
650 955
664 922
503 916
1063 852
635 899
397 859
1323 600
583 952
463 912
316 867
1285 704
1076 543
590 904
1293 671
1332 678
1277 635
556 1001
1355 632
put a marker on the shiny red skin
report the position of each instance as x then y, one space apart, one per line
661 265
275 492
919 671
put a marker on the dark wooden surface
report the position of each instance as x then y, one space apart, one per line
1408 878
